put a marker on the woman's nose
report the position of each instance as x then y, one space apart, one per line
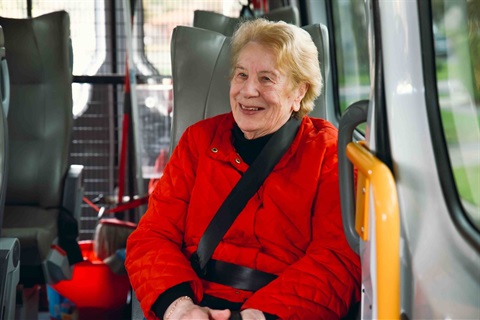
250 88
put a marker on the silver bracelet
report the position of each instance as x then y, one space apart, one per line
175 306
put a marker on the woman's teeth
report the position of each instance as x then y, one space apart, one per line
249 109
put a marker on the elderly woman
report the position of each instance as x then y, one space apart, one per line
285 255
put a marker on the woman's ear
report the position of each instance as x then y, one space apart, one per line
300 92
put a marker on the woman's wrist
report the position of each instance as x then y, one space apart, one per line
176 306
164 300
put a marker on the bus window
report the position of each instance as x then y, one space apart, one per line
457 49
13 8
161 17
158 19
84 26
351 52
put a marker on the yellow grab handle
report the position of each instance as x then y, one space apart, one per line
376 178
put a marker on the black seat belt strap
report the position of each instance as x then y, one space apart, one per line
245 188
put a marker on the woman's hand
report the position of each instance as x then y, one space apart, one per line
252 314
184 309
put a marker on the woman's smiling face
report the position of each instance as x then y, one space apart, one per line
261 97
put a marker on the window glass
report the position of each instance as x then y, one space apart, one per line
155 98
13 9
456 29
82 27
161 17
83 24
87 31
351 48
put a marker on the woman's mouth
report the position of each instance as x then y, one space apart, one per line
248 108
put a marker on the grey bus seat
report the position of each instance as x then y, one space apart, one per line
214 21
4 88
201 80
289 14
226 25
9 247
40 120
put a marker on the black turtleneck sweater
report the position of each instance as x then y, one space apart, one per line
248 149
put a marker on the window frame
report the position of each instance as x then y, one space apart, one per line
457 212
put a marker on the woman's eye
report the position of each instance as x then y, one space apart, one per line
266 79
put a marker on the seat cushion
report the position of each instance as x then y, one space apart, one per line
35 228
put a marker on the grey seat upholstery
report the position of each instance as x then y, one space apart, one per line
4 87
214 21
226 25
201 80
40 122
9 247
288 14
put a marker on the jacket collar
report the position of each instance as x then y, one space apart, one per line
222 148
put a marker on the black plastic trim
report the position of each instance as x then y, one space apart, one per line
382 137
333 57
355 114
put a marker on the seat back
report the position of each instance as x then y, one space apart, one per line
201 81
40 115
40 122
289 14
4 92
226 25
214 21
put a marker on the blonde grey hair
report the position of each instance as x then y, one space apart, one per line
297 55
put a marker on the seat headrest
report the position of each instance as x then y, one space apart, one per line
289 14
214 21
226 25
35 37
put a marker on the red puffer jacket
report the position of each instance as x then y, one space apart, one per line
291 227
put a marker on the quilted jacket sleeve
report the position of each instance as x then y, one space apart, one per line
154 248
324 282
